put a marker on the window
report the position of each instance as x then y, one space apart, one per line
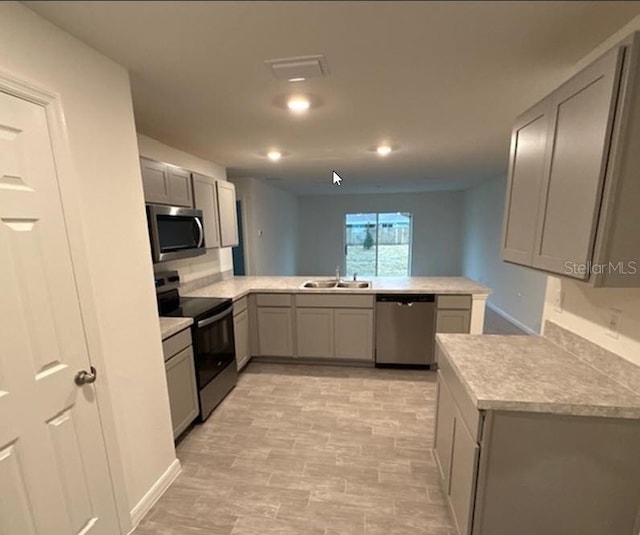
378 245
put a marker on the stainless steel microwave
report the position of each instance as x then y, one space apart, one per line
175 232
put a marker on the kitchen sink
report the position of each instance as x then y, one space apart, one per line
353 284
319 284
336 284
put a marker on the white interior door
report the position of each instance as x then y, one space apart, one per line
54 477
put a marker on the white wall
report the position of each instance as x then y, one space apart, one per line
116 276
518 292
585 310
215 261
270 227
437 229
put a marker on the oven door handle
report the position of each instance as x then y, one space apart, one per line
213 319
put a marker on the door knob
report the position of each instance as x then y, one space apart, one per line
84 377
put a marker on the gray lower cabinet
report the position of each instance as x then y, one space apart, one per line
443 440
165 184
341 333
453 314
353 329
464 471
456 453
453 321
275 337
241 332
573 175
314 332
505 472
181 381
338 326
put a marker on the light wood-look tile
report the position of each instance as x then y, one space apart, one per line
310 450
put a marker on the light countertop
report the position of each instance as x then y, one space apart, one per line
532 374
171 326
237 287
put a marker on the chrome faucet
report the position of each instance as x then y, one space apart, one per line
355 276
338 273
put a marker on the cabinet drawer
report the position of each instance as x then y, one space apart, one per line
468 411
273 300
334 301
239 305
176 343
461 302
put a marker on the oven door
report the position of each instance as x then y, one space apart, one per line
215 359
175 232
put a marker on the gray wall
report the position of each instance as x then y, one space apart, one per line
518 292
437 229
270 218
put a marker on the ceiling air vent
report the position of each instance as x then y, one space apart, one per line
298 69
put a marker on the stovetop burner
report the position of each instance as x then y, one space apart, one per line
190 307
171 304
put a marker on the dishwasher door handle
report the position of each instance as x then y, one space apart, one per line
404 304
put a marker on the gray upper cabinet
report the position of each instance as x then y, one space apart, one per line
526 173
227 212
179 187
205 198
583 111
571 176
165 184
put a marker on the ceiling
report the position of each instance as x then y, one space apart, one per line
442 81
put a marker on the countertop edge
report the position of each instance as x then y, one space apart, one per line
560 409
173 326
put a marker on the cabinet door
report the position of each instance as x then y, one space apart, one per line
241 335
582 115
526 177
205 199
183 393
353 333
155 181
453 321
314 330
274 332
464 470
179 187
443 442
227 213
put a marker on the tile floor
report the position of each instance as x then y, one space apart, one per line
310 450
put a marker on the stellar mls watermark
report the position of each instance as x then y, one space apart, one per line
589 268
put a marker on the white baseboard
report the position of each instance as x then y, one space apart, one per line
511 319
154 493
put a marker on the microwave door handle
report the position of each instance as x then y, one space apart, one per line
200 230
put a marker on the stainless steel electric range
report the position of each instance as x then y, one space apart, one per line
212 335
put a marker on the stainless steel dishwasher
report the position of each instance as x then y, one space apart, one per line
405 329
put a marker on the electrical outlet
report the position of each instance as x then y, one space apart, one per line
613 327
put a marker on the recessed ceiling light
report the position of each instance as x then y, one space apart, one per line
298 104
297 79
383 150
274 155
